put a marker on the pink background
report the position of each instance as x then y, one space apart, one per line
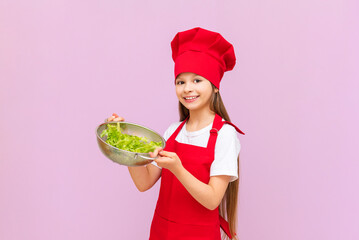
67 65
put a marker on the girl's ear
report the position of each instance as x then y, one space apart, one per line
216 90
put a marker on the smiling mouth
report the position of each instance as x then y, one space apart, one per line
190 98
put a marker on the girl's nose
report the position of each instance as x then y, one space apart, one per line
188 87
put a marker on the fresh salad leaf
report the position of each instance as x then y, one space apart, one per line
127 142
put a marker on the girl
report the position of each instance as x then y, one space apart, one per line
199 166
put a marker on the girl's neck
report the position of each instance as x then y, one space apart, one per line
199 120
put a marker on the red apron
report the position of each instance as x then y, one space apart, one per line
178 216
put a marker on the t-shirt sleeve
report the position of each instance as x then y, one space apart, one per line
226 153
169 131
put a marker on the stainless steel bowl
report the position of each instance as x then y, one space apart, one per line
125 157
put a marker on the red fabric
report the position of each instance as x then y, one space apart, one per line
237 129
178 216
203 52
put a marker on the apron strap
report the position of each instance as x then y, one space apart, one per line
174 135
225 226
238 130
217 125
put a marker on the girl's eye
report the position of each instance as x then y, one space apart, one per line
197 80
179 82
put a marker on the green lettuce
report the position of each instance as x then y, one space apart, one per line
127 142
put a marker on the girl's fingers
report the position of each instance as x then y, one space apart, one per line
162 159
155 153
119 119
167 154
115 118
110 119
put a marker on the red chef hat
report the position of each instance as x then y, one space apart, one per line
203 52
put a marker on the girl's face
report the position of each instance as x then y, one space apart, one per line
193 91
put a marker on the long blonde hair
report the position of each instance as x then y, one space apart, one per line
228 205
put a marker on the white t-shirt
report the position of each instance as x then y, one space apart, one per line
226 150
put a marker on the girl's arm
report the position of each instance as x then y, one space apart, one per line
209 195
145 177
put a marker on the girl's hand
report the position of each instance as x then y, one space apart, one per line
155 153
168 160
115 118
